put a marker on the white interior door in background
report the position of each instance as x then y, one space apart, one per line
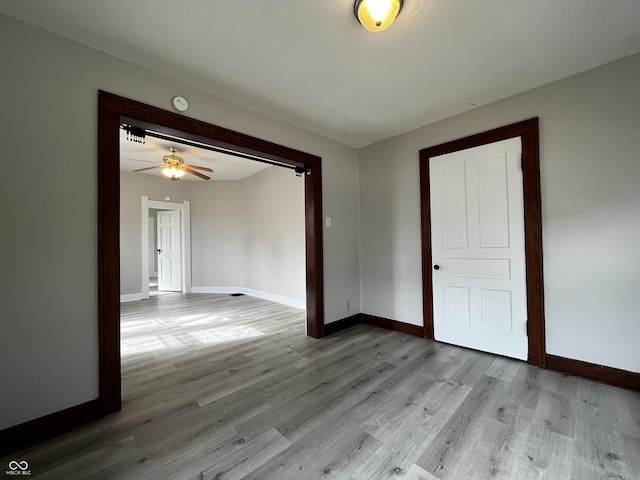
169 251
153 255
477 239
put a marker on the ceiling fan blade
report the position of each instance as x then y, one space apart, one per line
139 160
206 169
148 168
197 174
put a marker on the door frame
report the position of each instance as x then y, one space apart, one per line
528 131
185 239
114 109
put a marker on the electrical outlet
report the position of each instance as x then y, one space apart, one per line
347 305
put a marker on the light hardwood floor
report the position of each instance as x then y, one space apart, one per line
221 387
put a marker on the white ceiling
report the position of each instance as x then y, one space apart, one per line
311 63
135 155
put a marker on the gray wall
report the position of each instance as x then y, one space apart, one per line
49 326
590 174
274 257
216 234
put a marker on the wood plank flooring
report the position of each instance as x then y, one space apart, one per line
220 387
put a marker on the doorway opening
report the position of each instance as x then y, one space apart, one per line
527 131
113 111
153 270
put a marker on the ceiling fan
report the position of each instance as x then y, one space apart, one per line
174 167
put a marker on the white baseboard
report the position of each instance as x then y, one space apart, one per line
290 301
216 290
131 297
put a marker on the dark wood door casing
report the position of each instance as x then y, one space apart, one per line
527 130
112 109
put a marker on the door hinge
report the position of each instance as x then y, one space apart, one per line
521 162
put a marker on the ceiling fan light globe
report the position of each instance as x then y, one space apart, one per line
173 171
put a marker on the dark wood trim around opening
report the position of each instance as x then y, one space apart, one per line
112 109
528 132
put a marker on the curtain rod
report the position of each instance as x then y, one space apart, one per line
141 132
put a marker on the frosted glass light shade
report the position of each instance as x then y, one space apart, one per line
376 15
173 171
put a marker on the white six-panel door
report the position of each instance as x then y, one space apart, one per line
169 251
477 238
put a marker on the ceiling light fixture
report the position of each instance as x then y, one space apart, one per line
175 165
173 172
376 15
